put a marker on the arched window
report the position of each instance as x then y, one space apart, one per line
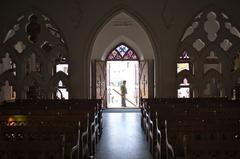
34 43
211 40
122 52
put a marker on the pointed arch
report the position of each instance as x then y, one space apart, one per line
125 40
122 52
49 23
224 36
35 43
213 84
211 30
148 48
31 24
212 73
119 19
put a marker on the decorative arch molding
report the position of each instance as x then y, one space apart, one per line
222 56
219 82
36 45
202 19
45 29
211 27
139 47
15 56
212 40
112 13
212 73
119 19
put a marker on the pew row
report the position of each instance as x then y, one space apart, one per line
54 113
157 112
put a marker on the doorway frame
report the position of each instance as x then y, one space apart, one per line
121 52
156 74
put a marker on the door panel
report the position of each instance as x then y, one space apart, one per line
143 76
100 79
146 82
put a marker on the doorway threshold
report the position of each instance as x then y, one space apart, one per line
122 110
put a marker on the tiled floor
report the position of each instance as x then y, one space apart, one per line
122 137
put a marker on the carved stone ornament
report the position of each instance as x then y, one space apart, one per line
211 26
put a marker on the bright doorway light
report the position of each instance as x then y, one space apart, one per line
117 72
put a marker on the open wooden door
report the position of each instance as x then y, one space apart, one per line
146 79
99 80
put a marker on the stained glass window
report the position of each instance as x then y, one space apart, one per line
184 55
122 52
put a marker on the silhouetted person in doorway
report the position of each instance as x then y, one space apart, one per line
123 93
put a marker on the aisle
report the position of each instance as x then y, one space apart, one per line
122 137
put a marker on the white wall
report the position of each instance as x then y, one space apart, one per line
122 28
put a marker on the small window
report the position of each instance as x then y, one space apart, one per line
62 93
184 89
182 66
62 67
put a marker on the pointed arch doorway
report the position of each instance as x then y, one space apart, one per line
122 29
110 73
122 64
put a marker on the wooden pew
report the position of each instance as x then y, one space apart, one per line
180 109
41 136
193 121
31 142
64 109
219 140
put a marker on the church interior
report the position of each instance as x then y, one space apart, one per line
120 79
